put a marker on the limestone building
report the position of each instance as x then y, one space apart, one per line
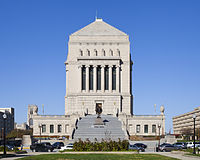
22 126
98 74
186 121
98 70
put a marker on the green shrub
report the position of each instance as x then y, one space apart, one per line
14 150
101 146
2 148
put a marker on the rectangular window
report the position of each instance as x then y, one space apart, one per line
91 78
43 128
138 128
66 128
106 78
51 128
114 78
145 128
83 78
59 128
98 78
153 128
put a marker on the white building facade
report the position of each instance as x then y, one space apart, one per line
98 73
186 121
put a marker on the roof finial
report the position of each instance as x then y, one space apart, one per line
96 15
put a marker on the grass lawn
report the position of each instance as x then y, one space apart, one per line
198 155
98 157
190 152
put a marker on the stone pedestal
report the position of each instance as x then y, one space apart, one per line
26 140
98 121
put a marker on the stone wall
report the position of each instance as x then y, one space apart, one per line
67 125
142 120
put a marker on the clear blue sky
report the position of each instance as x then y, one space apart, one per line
165 48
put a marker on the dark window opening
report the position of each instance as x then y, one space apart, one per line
59 128
145 128
51 128
43 128
114 78
91 78
99 78
106 78
153 128
83 78
138 128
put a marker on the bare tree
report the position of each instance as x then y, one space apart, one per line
186 133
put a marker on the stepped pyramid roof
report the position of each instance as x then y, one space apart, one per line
99 28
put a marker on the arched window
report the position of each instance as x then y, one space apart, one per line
103 52
95 52
111 52
118 52
81 52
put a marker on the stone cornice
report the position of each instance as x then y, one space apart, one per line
97 43
98 58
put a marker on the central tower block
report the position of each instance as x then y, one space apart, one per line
98 71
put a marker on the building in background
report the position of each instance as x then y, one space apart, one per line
32 110
185 122
9 120
98 75
22 126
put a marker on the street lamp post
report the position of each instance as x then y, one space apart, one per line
194 117
4 134
159 126
40 126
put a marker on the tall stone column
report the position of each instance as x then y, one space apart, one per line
117 78
102 78
95 78
87 78
110 78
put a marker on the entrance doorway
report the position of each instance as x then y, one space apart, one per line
98 106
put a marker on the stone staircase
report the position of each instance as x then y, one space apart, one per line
111 130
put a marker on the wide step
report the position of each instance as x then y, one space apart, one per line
111 130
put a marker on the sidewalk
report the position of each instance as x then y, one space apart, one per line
178 156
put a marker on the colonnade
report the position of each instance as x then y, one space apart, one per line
113 78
